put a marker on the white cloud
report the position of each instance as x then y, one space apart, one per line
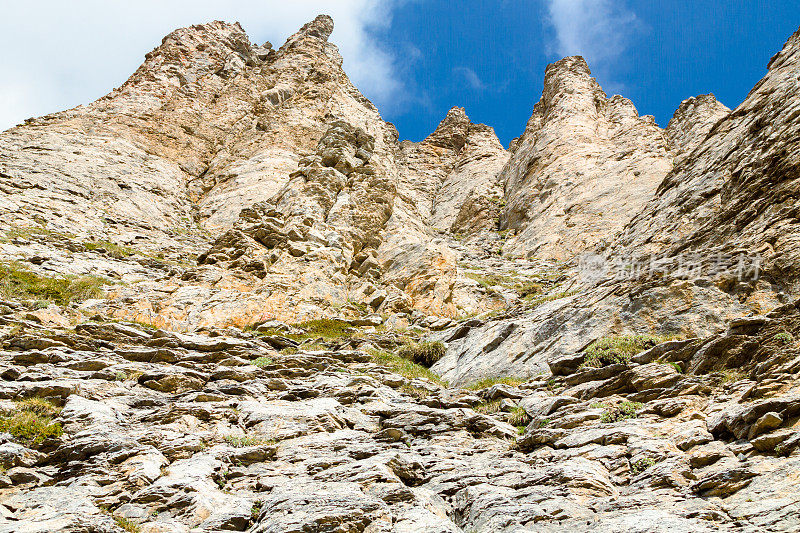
599 30
471 77
61 54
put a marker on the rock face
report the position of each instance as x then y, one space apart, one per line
584 165
216 280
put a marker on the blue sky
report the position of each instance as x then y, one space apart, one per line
490 56
416 58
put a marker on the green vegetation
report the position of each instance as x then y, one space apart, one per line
289 350
404 367
488 382
423 353
18 282
533 301
487 281
261 362
26 232
518 417
243 441
544 423
417 392
782 450
488 408
326 328
783 338
642 464
31 421
255 510
618 350
127 525
117 251
621 411
732 375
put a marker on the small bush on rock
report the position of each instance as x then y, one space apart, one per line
642 464
783 338
17 282
31 421
423 353
617 350
621 411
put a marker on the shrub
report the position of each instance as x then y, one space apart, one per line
17 282
642 464
243 441
423 353
518 417
31 421
783 338
404 367
327 328
621 411
111 249
617 350
488 408
127 525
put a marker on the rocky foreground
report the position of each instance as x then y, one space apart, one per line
231 299
152 431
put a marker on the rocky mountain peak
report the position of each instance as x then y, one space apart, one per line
452 131
693 119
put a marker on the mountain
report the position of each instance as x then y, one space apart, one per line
234 300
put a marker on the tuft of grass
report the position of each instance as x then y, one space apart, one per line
255 510
732 375
40 406
416 392
530 289
31 421
783 338
544 423
243 441
19 283
117 251
327 328
533 300
488 281
618 349
488 408
261 362
642 464
518 417
404 367
423 353
488 382
127 525
622 411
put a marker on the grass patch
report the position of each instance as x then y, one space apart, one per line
261 362
117 251
423 353
731 375
127 525
416 392
534 300
243 441
16 282
404 367
622 411
518 417
617 349
327 328
31 421
783 338
488 408
488 281
642 464
488 382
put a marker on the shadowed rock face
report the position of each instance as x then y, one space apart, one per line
208 277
